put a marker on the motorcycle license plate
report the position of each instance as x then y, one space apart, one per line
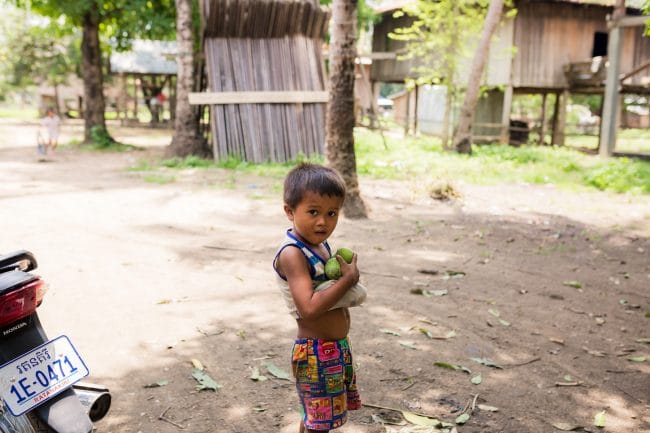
41 374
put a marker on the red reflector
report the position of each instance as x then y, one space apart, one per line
19 303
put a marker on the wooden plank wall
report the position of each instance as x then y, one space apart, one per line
391 70
265 45
550 35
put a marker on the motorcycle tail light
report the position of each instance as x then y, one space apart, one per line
21 303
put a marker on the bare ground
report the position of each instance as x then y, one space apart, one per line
145 277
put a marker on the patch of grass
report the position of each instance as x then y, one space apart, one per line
9 112
142 165
102 141
160 179
620 175
269 169
423 158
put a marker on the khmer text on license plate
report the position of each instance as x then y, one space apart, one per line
40 374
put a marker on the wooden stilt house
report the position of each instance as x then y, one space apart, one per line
265 85
560 47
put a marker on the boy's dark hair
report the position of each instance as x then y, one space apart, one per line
312 177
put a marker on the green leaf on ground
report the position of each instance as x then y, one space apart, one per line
495 313
647 314
487 362
408 344
573 283
462 419
205 381
599 419
636 358
476 380
455 274
450 334
428 293
451 366
256 376
426 332
421 420
197 364
277 371
156 384
389 332
423 292
504 322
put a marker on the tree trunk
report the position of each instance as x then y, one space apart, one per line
340 108
92 74
446 119
187 140
463 138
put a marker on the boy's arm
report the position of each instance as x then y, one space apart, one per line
312 304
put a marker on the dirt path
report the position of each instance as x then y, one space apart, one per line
145 277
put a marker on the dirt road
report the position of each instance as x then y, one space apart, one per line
144 277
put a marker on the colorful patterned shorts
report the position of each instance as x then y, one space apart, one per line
325 381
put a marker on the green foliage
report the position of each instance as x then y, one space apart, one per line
159 179
102 141
101 138
422 158
9 112
120 20
439 36
620 175
34 51
190 161
365 14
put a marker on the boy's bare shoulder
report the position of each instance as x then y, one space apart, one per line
290 257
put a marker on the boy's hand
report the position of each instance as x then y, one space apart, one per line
349 271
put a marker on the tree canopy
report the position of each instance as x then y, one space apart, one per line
121 21
29 54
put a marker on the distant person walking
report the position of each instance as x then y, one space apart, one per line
51 124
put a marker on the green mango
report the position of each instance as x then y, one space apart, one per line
346 253
333 269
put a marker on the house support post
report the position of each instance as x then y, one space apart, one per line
407 113
415 110
559 118
542 129
505 115
609 123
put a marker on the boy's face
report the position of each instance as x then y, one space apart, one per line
315 217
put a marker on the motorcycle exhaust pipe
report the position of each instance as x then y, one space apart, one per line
94 398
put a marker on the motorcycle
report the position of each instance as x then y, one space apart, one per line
40 379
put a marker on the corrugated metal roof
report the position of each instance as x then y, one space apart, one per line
146 57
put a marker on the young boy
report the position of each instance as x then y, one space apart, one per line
51 123
321 360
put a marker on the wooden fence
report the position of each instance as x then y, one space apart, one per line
266 78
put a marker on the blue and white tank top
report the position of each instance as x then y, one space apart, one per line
316 268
